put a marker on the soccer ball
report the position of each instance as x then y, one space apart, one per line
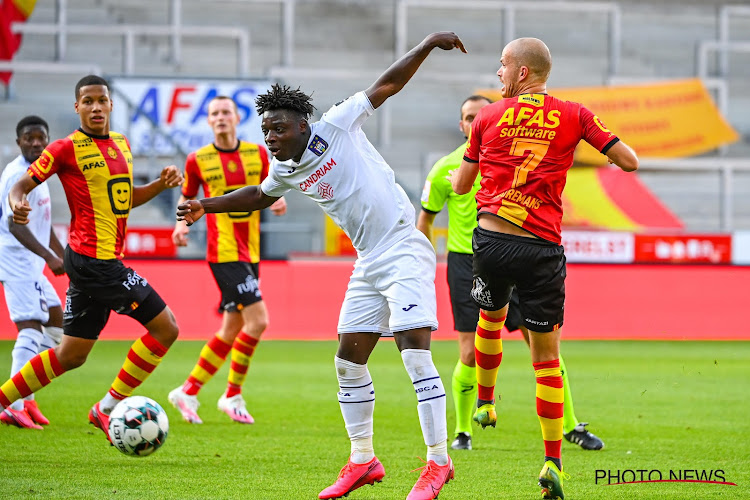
138 426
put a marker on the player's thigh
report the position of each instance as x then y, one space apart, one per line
364 310
238 284
541 291
460 280
406 277
26 300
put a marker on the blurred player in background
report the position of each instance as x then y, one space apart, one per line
392 287
32 302
523 146
462 219
95 167
233 254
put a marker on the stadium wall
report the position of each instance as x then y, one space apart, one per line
604 301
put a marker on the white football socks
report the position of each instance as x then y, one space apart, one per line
26 347
431 402
357 401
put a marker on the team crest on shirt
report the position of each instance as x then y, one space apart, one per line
112 153
318 146
325 191
232 166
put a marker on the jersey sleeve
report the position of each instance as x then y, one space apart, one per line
192 177
475 139
51 160
595 132
350 114
436 188
263 153
272 185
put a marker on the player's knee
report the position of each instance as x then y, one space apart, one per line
256 327
70 359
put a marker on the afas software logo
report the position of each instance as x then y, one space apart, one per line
612 477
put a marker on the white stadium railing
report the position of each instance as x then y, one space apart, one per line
509 9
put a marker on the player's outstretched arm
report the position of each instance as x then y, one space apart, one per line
17 199
24 236
463 179
170 177
623 156
247 199
400 72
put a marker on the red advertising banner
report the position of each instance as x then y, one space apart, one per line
709 249
139 242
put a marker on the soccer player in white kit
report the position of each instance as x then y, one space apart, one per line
391 290
32 302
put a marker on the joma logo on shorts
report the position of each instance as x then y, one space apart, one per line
425 389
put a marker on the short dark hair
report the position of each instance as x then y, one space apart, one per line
30 120
285 98
473 98
90 80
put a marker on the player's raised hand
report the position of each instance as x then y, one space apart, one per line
190 211
446 40
171 177
180 235
278 207
21 211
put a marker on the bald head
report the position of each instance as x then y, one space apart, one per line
532 53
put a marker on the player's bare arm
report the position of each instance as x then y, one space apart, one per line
623 156
26 238
400 72
17 199
181 230
425 222
463 179
170 177
247 199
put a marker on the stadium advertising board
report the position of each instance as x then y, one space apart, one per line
708 249
179 108
741 248
140 242
657 119
598 246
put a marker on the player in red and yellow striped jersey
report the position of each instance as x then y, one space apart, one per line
523 146
95 167
233 254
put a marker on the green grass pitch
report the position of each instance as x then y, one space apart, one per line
657 405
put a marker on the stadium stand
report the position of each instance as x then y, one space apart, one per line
331 47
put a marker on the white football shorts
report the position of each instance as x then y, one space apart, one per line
393 291
30 300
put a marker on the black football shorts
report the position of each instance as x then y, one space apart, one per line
460 278
534 266
99 286
238 283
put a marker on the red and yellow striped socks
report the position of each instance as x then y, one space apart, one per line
488 348
242 351
549 405
144 356
37 373
213 355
